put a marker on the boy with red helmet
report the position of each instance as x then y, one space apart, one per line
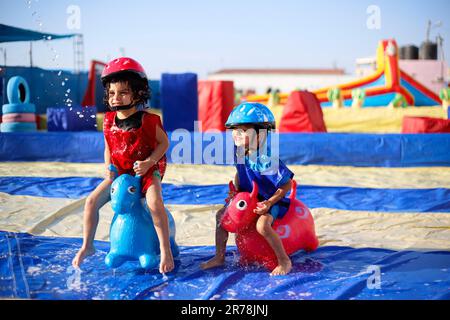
135 143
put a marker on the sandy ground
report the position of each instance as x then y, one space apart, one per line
195 223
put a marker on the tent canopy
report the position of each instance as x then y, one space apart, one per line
12 34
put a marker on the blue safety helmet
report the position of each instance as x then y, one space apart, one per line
251 113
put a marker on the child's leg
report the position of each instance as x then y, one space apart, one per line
221 244
161 222
264 227
97 199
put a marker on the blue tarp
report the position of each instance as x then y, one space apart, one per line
13 34
359 150
179 100
40 268
344 198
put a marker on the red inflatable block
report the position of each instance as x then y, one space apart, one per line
302 113
425 125
215 103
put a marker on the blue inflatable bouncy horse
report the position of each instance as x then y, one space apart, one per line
132 233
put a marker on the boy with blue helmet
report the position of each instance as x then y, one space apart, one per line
251 124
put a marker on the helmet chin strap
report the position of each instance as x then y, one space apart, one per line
121 108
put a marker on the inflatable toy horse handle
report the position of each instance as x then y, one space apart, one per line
293 190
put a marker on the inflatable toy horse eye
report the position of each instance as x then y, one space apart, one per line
132 233
296 229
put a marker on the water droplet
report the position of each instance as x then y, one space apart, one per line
93 116
68 90
81 116
63 83
49 37
59 73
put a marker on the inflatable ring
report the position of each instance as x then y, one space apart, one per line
18 90
18 127
19 117
18 108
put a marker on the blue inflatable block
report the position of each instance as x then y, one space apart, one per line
72 119
179 101
132 233
18 127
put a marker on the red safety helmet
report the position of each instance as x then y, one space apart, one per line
123 64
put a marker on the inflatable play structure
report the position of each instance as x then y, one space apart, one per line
132 234
379 89
215 103
19 114
296 228
302 113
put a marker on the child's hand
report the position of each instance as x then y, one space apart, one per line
109 175
262 207
141 167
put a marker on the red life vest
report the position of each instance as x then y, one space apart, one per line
127 147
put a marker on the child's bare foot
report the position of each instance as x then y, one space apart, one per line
216 261
284 267
166 264
81 255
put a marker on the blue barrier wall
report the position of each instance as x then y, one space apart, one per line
48 88
361 150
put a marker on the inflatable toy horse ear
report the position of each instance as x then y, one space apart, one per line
132 233
296 229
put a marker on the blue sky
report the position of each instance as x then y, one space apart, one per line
203 36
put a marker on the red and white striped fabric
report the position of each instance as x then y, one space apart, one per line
19 117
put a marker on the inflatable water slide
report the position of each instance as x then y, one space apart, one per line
381 87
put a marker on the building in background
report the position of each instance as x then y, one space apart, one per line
286 80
